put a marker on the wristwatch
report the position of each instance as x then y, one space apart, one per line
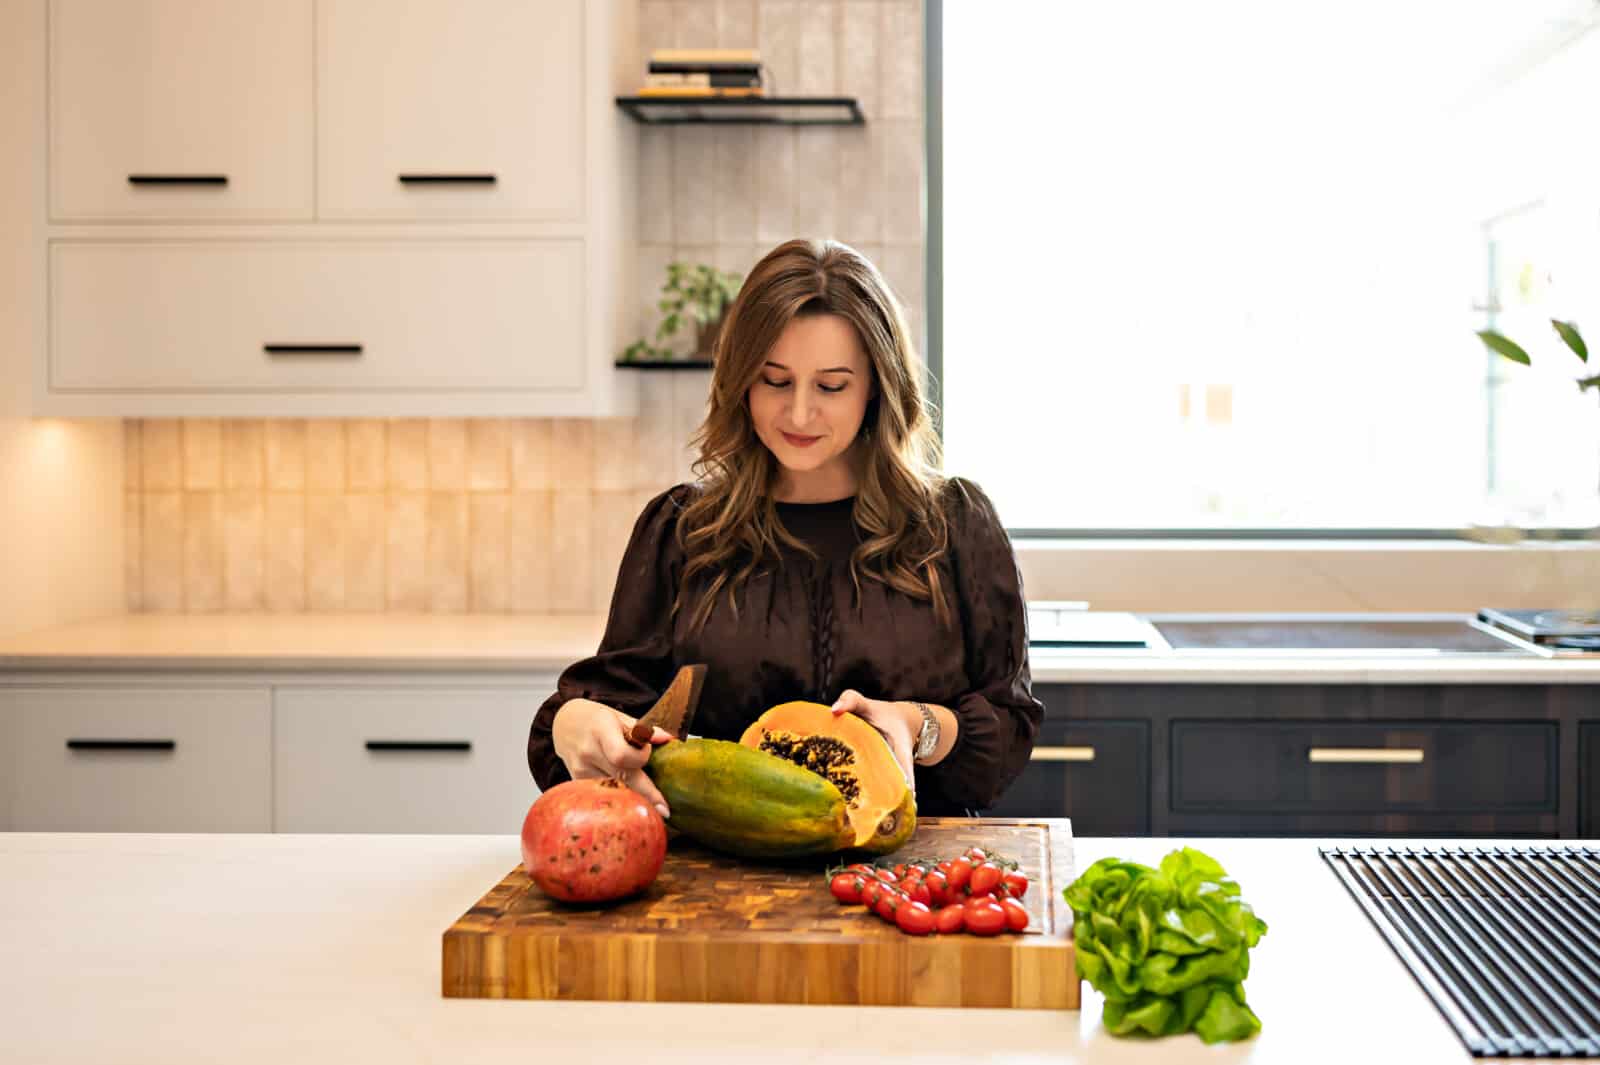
928 736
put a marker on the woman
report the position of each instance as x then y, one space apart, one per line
819 556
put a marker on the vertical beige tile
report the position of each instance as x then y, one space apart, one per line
900 55
244 540
532 450
365 544
657 19
285 575
325 551
902 266
860 55
325 455
286 456
163 455
611 521
691 392
656 431
447 552
408 553
132 552
408 455
816 170
132 455
694 180
775 183
778 28
244 453
817 51
734 191
695 23
533 561
202 552
902 181
572 564
572 454
655 185
161 541
859 206
736 24
738 258
488 455
489 553
447 454
366 448
615 452
202 454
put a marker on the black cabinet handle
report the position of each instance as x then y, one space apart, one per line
312 349
177 179
447 179
419 745
122 745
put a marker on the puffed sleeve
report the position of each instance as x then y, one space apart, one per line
998 715
634 663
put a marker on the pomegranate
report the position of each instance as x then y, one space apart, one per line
592 841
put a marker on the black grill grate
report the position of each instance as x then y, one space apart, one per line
1506 941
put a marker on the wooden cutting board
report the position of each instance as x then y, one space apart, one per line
719 929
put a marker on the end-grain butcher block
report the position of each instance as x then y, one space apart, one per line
719 929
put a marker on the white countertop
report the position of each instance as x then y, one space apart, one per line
281 948
549 642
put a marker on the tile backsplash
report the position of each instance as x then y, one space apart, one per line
531 515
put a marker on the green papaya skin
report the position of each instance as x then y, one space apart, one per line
747 802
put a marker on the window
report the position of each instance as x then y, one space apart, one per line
1218 266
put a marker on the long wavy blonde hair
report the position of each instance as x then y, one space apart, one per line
731 524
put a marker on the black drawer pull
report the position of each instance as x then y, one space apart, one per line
177 179
447 179
312 349
419 745
122 745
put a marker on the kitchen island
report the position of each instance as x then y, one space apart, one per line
286 948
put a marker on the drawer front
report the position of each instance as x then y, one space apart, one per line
1341 768
120 760
452 109
290 316
403 759
1589 780
1097 774
169 109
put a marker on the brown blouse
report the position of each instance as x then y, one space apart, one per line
803 633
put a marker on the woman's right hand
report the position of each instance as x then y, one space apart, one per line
592 740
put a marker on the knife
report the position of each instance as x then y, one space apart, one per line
674 711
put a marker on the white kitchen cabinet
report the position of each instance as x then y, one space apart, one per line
144 759
307 318
450 109
399 758
172 109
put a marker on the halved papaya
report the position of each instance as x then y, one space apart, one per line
854 757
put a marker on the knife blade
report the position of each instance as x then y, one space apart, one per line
675 710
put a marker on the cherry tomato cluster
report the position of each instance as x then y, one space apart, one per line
976 892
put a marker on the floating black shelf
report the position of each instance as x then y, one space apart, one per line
744 110
664 364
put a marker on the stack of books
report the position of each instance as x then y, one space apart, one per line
704 72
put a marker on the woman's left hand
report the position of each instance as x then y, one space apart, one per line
899 723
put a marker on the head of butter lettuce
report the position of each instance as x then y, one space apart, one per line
1169 948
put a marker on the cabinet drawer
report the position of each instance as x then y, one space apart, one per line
119 760
351 316
452 109
1097 774
403 759
1336 767
169 109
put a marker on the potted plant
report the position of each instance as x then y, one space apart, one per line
694 293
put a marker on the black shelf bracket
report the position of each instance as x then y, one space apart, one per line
744 110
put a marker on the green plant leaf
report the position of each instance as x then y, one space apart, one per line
1168 947
1586 383
1570 336
1500 345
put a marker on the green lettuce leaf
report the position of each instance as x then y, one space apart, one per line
1167 947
